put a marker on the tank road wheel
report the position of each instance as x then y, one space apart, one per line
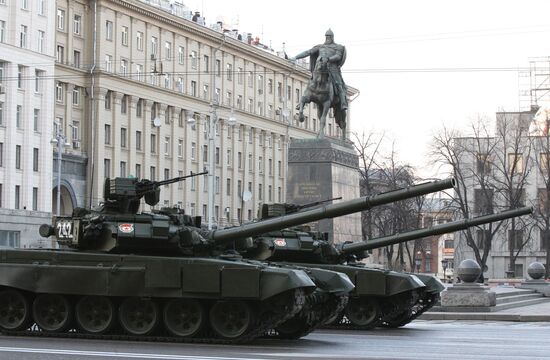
52 312
363 312
183 317
138 316
231 318
95 314
15 310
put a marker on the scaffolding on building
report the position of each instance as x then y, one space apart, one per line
534 84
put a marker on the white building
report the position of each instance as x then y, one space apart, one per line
124 98
26 108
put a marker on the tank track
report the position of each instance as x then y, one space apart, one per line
390 310
319 308
270 315
425 303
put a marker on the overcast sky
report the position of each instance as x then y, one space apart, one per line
417 64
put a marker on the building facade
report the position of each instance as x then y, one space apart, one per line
139 86
511 165
26 108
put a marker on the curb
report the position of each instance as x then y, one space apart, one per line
483 316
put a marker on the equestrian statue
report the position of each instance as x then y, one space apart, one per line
326 88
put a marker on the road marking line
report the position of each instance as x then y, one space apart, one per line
118 354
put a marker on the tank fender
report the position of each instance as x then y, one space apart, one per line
331 281
433 284
274 281
397 283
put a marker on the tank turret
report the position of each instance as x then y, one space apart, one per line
117 227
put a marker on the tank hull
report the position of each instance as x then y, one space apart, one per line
36 280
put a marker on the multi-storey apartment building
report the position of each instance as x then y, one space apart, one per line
137 86
26 105
502 170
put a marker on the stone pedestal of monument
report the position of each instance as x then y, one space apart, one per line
468 296
320 169
536 271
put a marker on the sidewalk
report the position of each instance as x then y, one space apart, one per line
530 313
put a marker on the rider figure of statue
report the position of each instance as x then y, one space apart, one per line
336 56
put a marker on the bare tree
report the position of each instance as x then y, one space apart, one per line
512 160
469 160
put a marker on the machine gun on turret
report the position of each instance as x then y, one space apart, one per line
123 195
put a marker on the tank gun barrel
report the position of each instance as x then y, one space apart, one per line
329 211
350 248
315 203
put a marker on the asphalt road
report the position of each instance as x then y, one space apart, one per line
419 340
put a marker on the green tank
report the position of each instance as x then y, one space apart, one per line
381 297
144 275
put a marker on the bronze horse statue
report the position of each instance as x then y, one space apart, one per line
320 90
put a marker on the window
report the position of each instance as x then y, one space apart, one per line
515 163
229 71
193 59
138 171
35 159
205 92
180 148
205 153
240 75
279 194
23 37
449 244
139 107
108 97
483 201
180 85
123 169
482 236
41 7
107 168
270 86
217 154
218 67
76 95
124 104
229 157
154 45
124 36
18 115
166 174
260 192
193 151
270 167
168 50
123 137
228 187
9 238
18 156
109 63
107 134
139 72
153 144
76 58
166 145
279 168
60 54
138 140
239 102
483 164
269 193
25 4
515 239
139 40
193 88
17 196
61 19
2 31
36 119
239 187
35 198
152 173
123 67
40 41
75 133
206 63
260 165
108 30
217 184
181 55
77 24
1 154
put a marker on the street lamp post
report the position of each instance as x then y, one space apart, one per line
61 142
418 260
445 264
